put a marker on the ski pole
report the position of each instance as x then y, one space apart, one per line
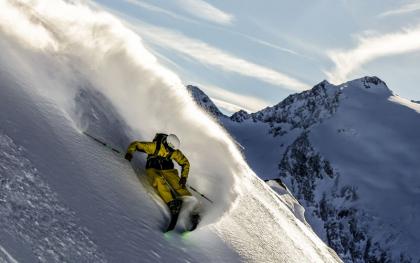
103 143
121 154
205 197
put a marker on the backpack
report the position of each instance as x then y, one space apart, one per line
159 162
159 139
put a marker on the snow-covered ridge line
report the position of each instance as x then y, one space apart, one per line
308 107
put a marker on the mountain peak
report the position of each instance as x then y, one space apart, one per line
324 83
302 109
240 116
370 84
204 101
373 80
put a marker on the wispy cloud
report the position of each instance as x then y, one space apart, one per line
232 101
204 10
266 43
225 99
199 51
157 9
404 9
209 55
227 107
370 48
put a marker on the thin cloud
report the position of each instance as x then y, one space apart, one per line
404 9
157 9
262 42
227 107
204 10
208 55
176 16
202 52
228 101
265 43
225 98
371 48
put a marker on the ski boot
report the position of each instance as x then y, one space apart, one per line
174 208
194 220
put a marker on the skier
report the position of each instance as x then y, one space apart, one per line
160 169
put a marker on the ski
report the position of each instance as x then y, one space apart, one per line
194 221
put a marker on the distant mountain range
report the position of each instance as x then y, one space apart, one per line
350 155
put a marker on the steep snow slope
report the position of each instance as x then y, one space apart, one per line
350 154
65 68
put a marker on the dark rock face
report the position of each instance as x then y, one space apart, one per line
240 116
314 182
304 167
368 81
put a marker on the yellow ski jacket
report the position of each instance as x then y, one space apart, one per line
150 148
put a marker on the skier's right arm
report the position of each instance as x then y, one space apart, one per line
146 147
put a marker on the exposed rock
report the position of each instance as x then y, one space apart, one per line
240 116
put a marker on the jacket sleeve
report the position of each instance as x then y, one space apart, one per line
180 158
146 147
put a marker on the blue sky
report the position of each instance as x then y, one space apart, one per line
252 54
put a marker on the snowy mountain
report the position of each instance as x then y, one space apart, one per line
204 101
66 69
349 153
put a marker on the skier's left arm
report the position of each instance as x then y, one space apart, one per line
180 158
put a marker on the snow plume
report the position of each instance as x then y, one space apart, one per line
68 46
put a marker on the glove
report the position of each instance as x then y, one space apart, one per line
128 156
183 182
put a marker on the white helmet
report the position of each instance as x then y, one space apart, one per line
173 141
